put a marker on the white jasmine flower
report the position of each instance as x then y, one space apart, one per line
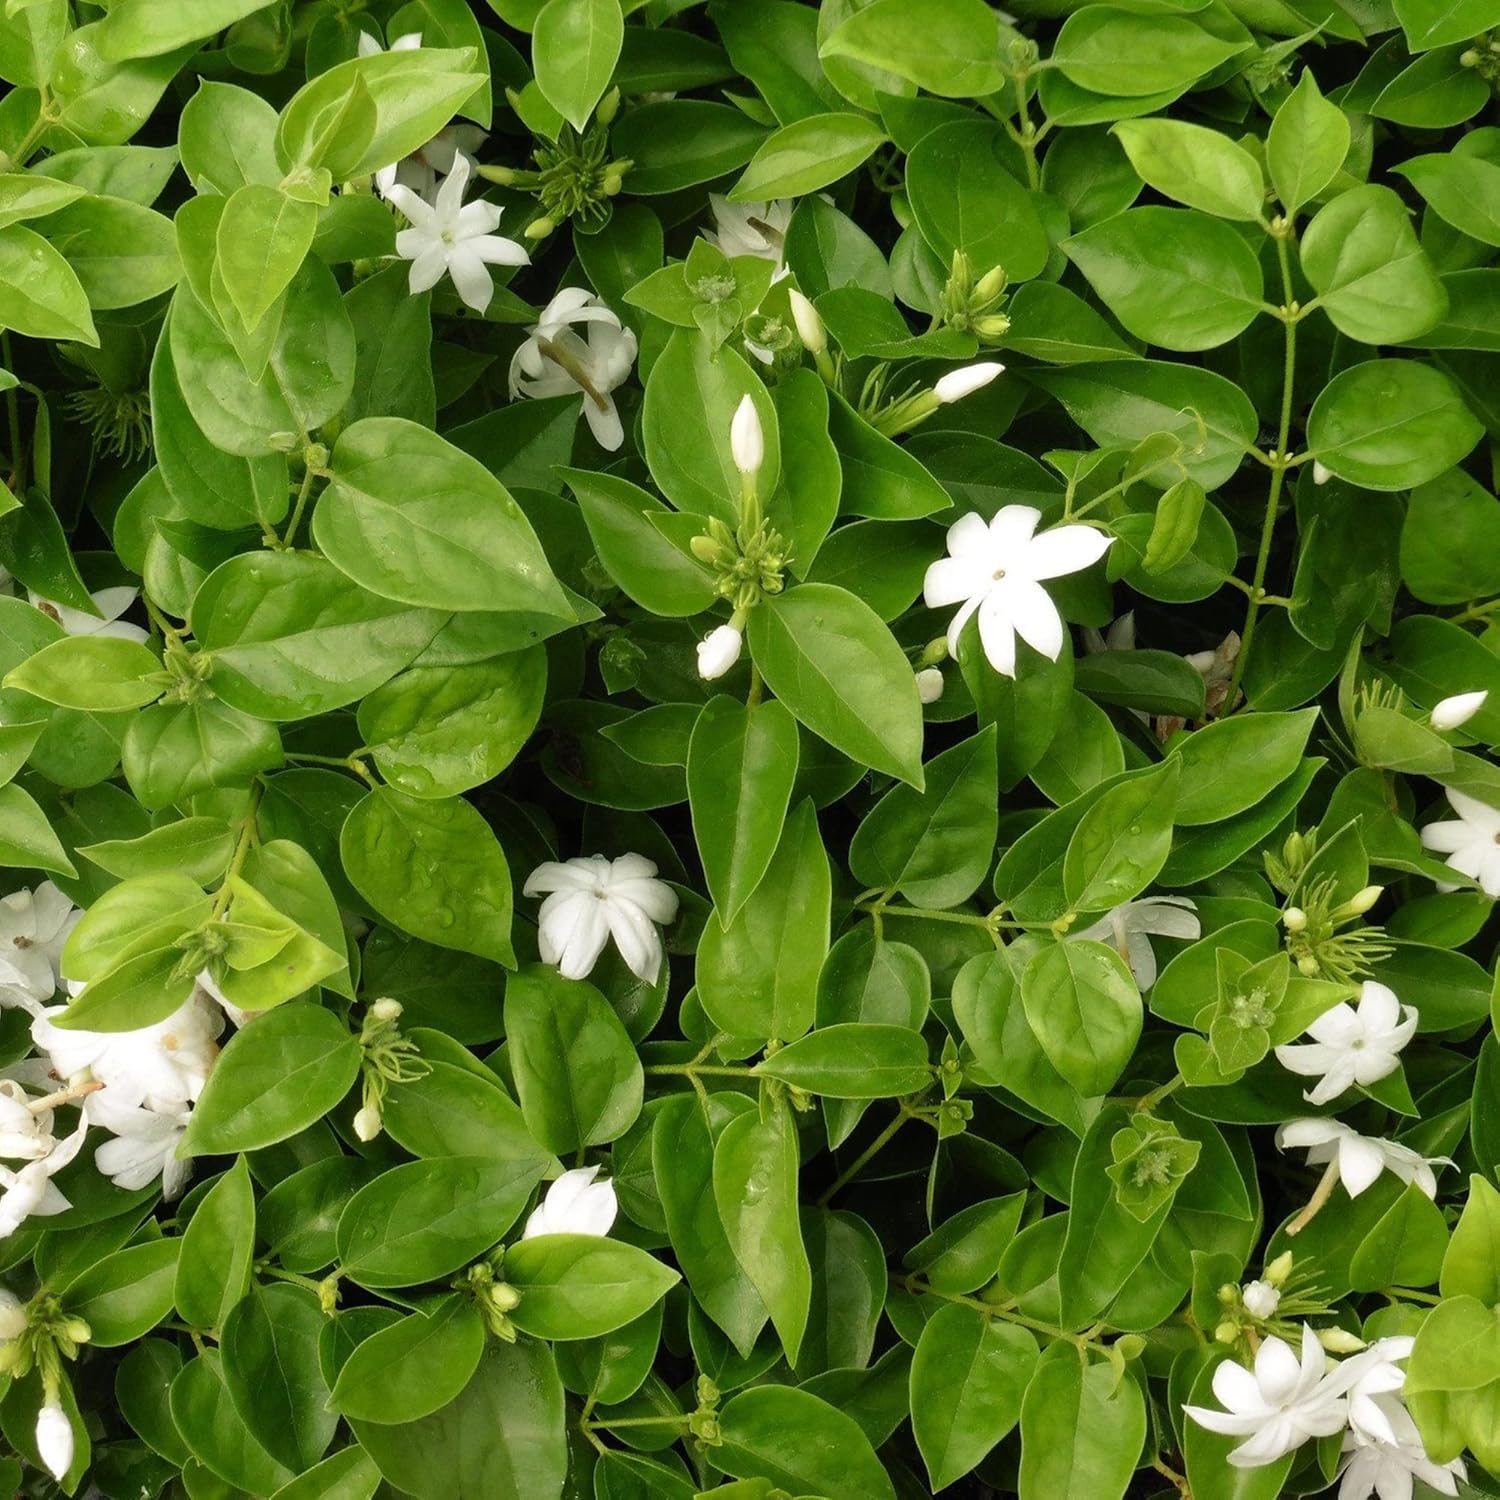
747 442
929 684
449 235
1455 712
25 1134
809 322
575 1204
996 570
556 360
369 46
31 1191
1387 1467
1371 1378
1278 1406
54 1440
757 229
1471 842
719 651
208 989
1119 637
1261 1299
144 1145
1359 1159
1129 928
34 925
159 1067
957 384
111 604
1352 1044
13 1319
593 899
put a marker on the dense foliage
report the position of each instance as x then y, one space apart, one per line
746 748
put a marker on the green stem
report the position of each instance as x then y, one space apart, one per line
303 495
865 1157
753 697
916 1285
990 923
1278 469
1151 1100
16 160
13 411
247 840
677 1421
697 1070
1480 611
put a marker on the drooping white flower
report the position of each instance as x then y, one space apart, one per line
34 925
111 604
1119 637
575 1204
957 384
13 1319
54 1440
556 360
1360 1159
1386 1467
757 229
1471 841
145 1143
1352 1044
1278 1406
1455 712
996 570
747 443
158 1067
25 1134
718 651
31 1190
929 684
1261 1299
1129 928
592 899
453 237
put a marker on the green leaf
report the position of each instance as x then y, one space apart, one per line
967 1380
263 238
123 253
575 45
1084 1007
145 28
27 840
1362 257
349 1474
582 1286
1390 424
199 847
1471 1263
741 764
425 1219
576 1071
1233 765
218 1247
1462 188
948 47
421 862
858 1060
1173 277
227 137
125 1295
175 750
806 155
412 1368
222 1443
1195 165
828 657
1081 1428
1122 841
1306 144
40 293
757 975
1436 23
1118 52
935 845
94 672
755 1187
788 1437
272 1080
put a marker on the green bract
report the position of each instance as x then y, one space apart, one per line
747 748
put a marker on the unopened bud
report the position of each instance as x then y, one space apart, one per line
1308 966
501 176
503 1297
1468 58
809 323
747 442
1279 1269
367 1122
1321 473
1294 919
386 1009
1455 712
609 107
719 652
992 326
929 685
1227 1333
13 1319
1358 904
540 228
957 384
613 183
1261 1299
1340 1341
991 284
54 1440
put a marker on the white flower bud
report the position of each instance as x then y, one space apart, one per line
809 323
1359 903
929 684
719 652
386 1010
1280 1268
1338 1340
13 1320
1455 712
746 441
54 1440
957 384
1294 919
1261 1299
367 1123
1321 473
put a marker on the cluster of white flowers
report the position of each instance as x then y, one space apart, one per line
1287 1399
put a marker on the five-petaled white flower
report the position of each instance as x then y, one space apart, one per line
34 925
757 229
1471 841
54 1440
556 360
1359 1159
1352 1044
1386 1468
592 899
111 604
996 570
1129 928
575 1204
30 1190
144 1145
1278 1406
449 235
